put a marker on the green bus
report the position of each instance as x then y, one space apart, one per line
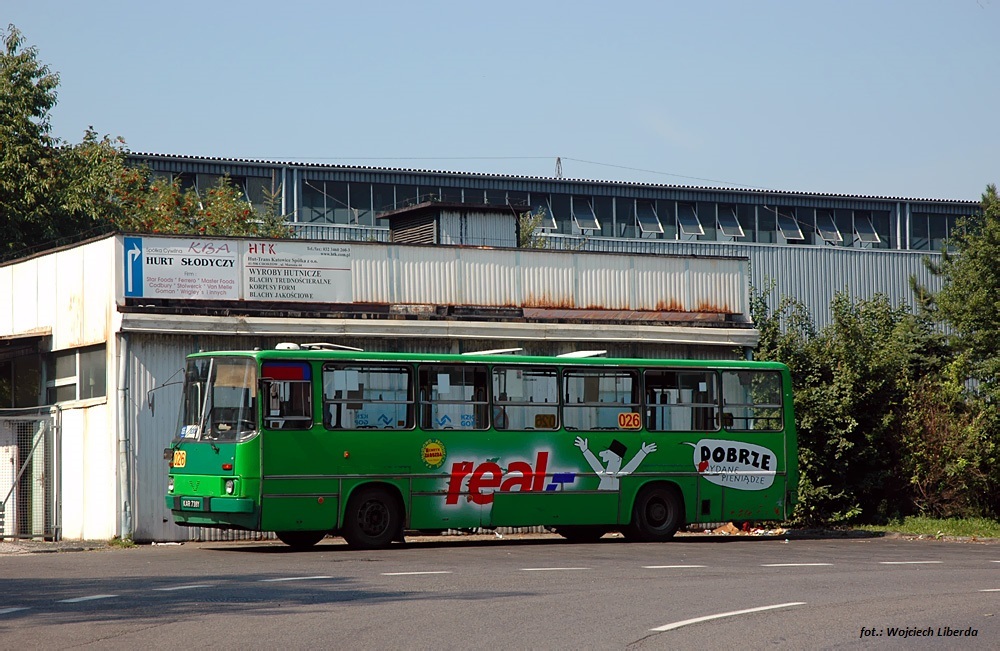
306 441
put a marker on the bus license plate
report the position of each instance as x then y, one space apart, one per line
191 503
180 459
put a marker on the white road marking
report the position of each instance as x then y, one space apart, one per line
4 611
668 567
987 590
88 598
551 569
910 562
796 564
184 587
295 578
696 620
414 573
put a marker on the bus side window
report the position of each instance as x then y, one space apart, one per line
525 398
288 404
358 396
453 396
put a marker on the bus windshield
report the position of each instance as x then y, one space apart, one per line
220 399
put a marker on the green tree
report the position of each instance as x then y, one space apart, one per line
968 301
968 305
52 192
160 206
529 230
28 157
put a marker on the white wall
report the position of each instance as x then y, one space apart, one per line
89 479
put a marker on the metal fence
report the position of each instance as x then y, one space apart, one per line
28 470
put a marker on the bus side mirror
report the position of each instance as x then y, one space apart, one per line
151 401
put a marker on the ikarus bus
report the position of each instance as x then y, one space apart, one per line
304 442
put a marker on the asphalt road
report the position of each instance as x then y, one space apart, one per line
538 593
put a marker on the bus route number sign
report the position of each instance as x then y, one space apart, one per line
629 420
180 459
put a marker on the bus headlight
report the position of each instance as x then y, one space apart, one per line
230 486
170 484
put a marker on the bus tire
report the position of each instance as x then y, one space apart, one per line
657 514
300 539
581 533
373 518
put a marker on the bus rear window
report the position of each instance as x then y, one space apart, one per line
367 397
751 401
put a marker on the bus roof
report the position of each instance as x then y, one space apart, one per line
452 358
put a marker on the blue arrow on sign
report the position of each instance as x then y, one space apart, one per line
444 419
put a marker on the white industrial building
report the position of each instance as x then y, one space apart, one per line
93 338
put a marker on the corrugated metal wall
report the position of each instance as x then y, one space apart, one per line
401 275
470 228
811 274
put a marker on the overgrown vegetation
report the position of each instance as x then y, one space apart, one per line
122 543
895 419
937 528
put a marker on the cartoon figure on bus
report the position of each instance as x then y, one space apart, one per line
613 457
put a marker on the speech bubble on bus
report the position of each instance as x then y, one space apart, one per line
734 464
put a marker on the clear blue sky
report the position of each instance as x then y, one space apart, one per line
897 98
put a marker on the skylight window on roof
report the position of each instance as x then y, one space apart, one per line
687 215
542 203
728 222
583 214
864 228
788 226
827 229
649 221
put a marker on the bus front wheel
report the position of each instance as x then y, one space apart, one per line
374 518
300 539
656 514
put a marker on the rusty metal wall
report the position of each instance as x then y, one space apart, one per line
426 275
811 274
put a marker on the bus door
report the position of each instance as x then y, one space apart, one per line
683 404
458 453
752 451
299 489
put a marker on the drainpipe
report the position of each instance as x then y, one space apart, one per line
124 466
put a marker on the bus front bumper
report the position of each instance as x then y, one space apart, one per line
204 504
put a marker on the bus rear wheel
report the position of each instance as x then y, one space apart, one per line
373 519
300 539
656 514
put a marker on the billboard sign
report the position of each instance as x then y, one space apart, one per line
230 269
